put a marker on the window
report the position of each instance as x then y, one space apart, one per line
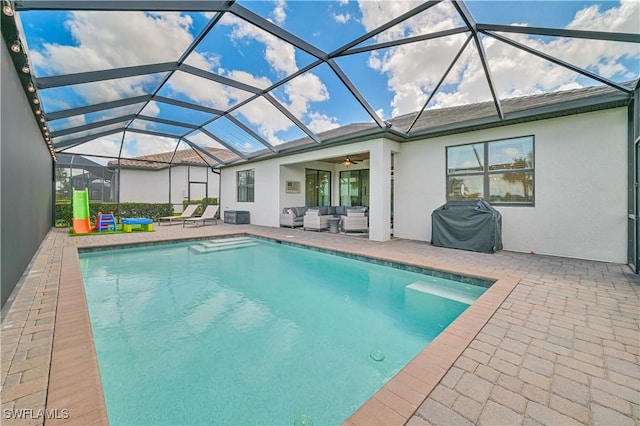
245 186
500 171
318 188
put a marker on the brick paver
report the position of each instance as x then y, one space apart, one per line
562 348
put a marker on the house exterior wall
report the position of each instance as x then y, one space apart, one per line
27 180
580 186
152 186
144 186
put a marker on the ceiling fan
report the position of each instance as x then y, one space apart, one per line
348 161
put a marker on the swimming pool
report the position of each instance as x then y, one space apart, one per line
261 334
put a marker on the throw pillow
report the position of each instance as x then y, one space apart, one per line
292 213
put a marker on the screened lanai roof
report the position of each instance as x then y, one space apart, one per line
125 79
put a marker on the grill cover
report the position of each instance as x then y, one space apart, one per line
467 225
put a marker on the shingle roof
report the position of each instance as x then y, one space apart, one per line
545 105
182 157
438 121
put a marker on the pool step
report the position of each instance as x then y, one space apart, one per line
221 245
226 241
442 291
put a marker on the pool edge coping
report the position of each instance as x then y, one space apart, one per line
394 403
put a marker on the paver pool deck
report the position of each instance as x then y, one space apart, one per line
555 341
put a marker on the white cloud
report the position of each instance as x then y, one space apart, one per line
343 2
341 18
106 40
413 70
300 92
267 118
319 122
248 78
279 54
139 144
203 140
135 145
279 15
108 146
303 90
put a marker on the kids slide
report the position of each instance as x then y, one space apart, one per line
81 222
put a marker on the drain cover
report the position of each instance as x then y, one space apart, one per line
377 356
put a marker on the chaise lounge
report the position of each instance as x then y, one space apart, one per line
187 213
208 214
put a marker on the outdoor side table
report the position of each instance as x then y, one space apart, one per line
333 225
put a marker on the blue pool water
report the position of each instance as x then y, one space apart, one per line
262 334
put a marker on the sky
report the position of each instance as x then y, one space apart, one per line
394 81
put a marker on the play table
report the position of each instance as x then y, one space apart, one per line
142 222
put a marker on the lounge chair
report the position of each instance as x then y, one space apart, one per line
187 213
208 214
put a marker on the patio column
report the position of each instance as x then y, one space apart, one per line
380 189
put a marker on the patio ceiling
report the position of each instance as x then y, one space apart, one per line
123 79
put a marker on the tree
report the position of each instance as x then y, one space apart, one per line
62 184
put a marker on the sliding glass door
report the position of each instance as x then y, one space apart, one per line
354 188
318 188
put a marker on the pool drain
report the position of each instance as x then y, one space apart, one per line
377 356
303 421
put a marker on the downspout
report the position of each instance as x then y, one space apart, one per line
217 172
119 173
53 188
633 179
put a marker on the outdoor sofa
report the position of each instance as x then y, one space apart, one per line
353 218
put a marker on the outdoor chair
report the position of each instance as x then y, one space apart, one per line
208 214
356 220
313 219
187 213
